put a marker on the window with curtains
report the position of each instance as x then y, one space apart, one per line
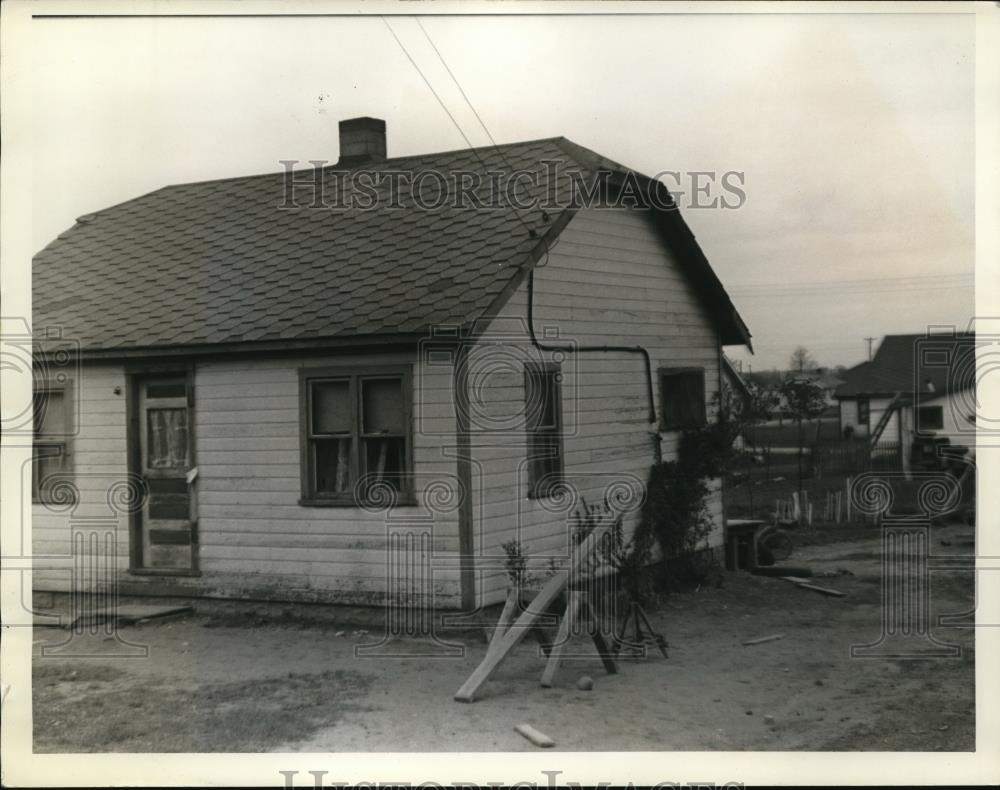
355 435
682 398
543 423
51 446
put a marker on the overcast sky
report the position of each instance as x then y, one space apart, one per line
856 134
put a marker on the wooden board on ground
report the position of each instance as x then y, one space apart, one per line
780 570
763 639
823 590
533 735
129 614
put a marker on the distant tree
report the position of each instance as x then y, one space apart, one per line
766 379
743 410
801 361
804 400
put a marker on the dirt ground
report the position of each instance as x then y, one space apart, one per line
251 682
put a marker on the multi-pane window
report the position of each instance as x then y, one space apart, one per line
682 395
50 456
543 423
356 435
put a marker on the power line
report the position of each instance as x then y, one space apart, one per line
427 82
532 233
468 101
860 282
847 291
457 83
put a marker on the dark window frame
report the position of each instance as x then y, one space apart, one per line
546 471
864 412
667 423
354 375
922 423
40 495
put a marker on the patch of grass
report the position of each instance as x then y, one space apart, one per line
786 434
139 715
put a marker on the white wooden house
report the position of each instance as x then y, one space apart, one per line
277 402
915 387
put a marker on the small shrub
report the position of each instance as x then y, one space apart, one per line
516 565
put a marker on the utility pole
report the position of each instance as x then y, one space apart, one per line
870 341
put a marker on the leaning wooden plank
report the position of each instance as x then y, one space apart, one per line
536 737
761 640
562 638
545 637
506 617
604 649
520 628
824 590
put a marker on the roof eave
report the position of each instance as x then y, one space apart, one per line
342 344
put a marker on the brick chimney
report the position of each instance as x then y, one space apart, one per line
362 141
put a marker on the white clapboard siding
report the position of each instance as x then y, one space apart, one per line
256 541
98 461
877 409
609 281
250 521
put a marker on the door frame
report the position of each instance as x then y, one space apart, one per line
135 372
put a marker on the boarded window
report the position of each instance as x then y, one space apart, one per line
357 428
543 423
166 389
50 452
682 395
169 499
930 418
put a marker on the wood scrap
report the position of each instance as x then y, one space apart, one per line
533 735
780 570
761 640
823 590
495 655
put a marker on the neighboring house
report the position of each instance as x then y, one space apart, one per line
281 384
915 387
829 382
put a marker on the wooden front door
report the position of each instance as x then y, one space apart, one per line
166 535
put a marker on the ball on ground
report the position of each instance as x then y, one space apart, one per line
586 683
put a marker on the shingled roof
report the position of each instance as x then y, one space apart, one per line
218 263
908 363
